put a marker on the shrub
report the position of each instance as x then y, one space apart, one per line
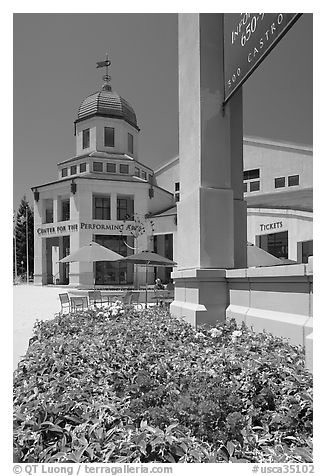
141 386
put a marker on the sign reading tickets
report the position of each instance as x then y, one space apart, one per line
248 38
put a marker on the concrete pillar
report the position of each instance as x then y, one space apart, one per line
56 202
39 245
211 213
114 205
40 275
74 205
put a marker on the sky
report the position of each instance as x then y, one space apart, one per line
54 69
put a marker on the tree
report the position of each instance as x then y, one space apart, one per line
24 211
141 225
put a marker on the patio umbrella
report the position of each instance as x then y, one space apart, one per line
149 258
90 254
258 257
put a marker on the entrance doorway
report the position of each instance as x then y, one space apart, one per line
305 249
163 245
277 244
107 272
56 249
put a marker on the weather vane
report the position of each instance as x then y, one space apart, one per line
105 64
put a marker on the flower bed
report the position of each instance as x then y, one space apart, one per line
140 386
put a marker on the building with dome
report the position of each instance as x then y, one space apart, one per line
103 194
106 194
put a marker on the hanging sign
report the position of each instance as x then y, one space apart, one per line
248 39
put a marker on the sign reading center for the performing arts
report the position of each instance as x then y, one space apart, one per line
248 38
111 227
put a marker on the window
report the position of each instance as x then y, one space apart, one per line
124 169
85 138
177 186
48 216
73 170
251 174
101 207
64 172
125 207
277 244
143 175
82 167
65 210
254 186
48 206
97 166
280 182
108 137
137 172
177 197
150 178
293 180
111 168
130 143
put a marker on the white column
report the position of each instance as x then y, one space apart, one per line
113 203
211 213
56 203
39 245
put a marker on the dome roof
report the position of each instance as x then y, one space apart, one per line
107 103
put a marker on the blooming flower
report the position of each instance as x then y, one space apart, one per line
198 335
235 335
215 332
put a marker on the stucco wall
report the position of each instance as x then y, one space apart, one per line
298 224
278 160
277 299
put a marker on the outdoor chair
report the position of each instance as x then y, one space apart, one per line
130 299
135 301
163 297
96 297
78 302
64 301
159 296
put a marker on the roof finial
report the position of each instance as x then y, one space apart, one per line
101 64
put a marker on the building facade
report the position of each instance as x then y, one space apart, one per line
103 194
278 188
107 195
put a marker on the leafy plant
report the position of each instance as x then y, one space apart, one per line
141 386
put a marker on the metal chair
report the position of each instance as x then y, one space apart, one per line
159 296
126 298
130 299
78 302
64 301
163 297
135 301
97 297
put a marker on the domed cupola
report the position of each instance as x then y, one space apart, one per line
107 103
106 122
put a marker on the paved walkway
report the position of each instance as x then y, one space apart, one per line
31 303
